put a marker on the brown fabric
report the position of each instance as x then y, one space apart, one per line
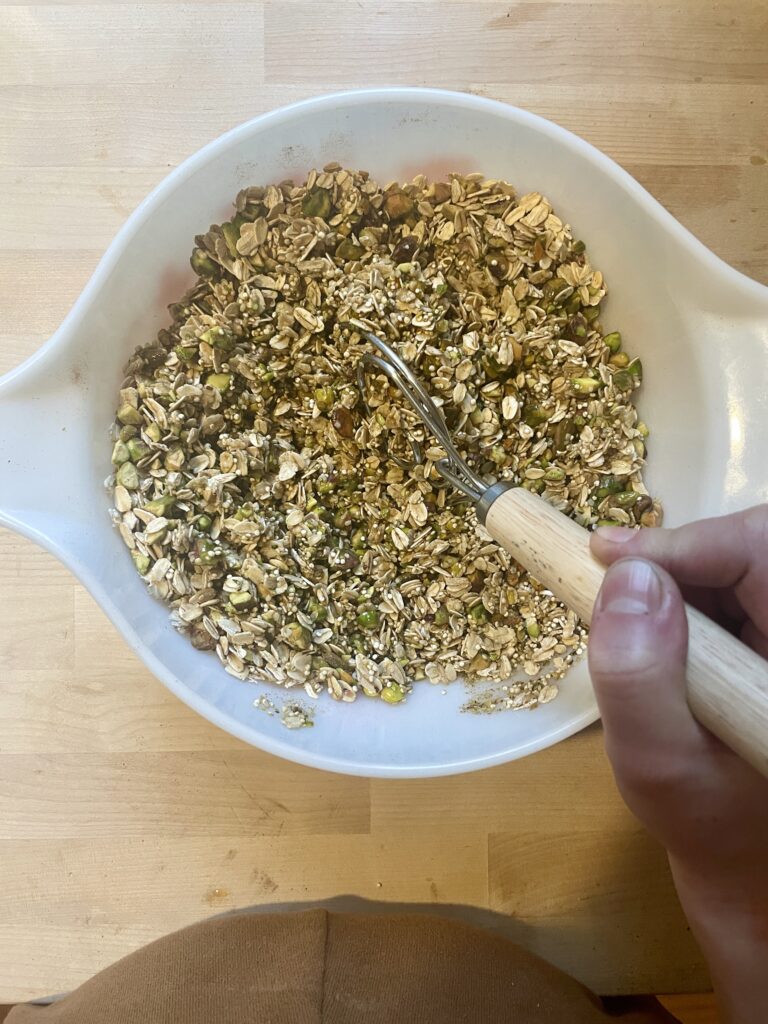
318 967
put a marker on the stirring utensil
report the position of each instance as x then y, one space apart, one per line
727 681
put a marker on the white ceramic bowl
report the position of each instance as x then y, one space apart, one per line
700 327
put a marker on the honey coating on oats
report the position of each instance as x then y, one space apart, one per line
282 515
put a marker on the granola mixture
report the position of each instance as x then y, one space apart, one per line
283 517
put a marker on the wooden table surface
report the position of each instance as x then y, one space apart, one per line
122 814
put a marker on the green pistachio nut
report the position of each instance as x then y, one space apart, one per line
142 562
120 453
296 636
220 381
317 203
241 599
203 265
127 413
128 476
393 693
218 337
368 618
324 398
137 449
584 385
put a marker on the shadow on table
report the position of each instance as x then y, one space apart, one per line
489 920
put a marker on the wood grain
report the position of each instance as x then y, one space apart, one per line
693 1009
561 890
124 815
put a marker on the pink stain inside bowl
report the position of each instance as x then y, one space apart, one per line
173 284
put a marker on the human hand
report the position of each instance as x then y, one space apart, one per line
707 806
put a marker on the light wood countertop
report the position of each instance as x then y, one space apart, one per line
122 814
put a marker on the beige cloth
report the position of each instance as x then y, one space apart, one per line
318 967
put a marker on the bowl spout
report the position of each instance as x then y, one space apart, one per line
44 446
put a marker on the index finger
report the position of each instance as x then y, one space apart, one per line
726 551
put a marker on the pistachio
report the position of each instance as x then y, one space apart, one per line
554 475
208 551
231 234
554 288
347 250
137 449
478 614
120 453
241 599
626 499
159 506
186 353
393 693
324 398
218 337
127 413
623 380
317 203
584 385
220 381
619 359
296 636
535 415
610 485
635 368
142 562
532 628
368 618
203 265
128 476
316 610
537 486
442 616
612 341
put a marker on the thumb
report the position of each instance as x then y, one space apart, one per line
637 653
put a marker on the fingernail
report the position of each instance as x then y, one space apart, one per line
616 534
631 587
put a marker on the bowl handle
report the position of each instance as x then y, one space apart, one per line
45 446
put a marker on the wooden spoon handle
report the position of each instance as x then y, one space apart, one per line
727 681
